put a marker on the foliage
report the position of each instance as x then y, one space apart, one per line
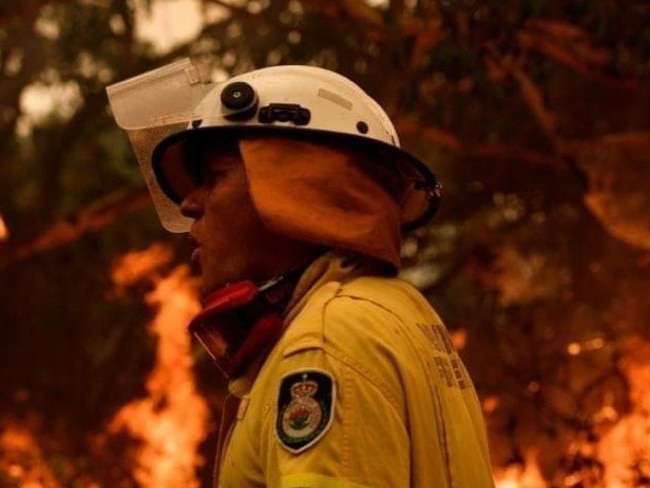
534 114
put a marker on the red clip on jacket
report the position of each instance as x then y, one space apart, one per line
239 322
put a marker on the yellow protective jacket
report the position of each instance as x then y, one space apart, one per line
363 389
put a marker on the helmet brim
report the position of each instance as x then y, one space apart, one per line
174 164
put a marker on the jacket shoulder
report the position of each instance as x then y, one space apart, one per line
364 306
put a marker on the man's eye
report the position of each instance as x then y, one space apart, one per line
212 175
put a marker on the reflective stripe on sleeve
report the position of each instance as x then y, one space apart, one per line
315 481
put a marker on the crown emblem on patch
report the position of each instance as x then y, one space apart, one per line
305 405
305 388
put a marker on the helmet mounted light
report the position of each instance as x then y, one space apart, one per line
167 110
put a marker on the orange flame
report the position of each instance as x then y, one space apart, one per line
172 421
4 231
21 460
138 264
525 475
625 450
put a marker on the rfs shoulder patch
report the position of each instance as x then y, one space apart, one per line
305 408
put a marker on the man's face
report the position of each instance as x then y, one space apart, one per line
232 242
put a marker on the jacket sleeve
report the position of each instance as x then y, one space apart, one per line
364 443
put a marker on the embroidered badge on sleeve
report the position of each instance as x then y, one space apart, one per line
305 408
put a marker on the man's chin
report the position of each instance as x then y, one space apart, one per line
206 290
209 287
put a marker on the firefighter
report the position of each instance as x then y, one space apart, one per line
291 183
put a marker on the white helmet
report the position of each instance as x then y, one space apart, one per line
164 107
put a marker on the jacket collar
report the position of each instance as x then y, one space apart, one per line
334 266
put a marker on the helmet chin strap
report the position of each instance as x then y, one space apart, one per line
240 321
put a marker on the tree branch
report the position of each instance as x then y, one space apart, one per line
99 214
446 140
534 98
572 47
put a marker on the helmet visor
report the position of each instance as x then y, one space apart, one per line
150 108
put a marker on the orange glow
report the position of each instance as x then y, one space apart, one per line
459 339
624 449
4 232
490 404
520 476
22 461
172 421
576 348
137 264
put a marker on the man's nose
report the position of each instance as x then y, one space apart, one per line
192 205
